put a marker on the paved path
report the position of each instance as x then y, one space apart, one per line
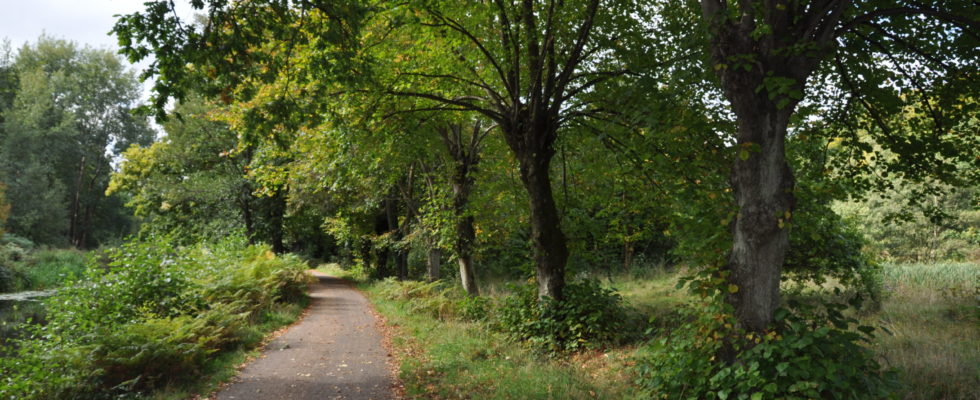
335 352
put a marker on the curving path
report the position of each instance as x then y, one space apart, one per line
334 352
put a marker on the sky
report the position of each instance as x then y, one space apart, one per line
83 21
86 22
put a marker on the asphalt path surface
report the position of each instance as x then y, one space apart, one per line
334 352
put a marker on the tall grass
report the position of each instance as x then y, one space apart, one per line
48 269
931 314
944 275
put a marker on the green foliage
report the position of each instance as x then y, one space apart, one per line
4 208
823 246
590 316
810 352
901 233
151 316
23 267
67 118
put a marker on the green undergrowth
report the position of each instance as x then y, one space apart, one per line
461 358
224 366
157 319
926 333
25 267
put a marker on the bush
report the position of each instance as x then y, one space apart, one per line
23 268
588 317
809 353
153 315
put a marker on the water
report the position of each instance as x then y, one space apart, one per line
25 296
17 309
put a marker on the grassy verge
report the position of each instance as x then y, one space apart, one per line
460 359
929 310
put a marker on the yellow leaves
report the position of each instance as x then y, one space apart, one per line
732 288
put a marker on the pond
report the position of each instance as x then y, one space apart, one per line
17 309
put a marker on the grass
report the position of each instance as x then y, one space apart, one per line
48 269
931 312
458 359
43 269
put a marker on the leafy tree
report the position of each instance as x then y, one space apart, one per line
766 54
895 233
70 116
522 66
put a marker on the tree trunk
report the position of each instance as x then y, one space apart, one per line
550 248
465 234
278 213
401 261
434 263
763 189
627 255
76 204
381 262
391 213
247 218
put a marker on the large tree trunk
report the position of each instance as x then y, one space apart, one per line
247 219
550 248
391 213
763 189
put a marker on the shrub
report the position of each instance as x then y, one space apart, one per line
589 316
153 315
809 353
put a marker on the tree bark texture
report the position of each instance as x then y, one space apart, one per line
550 247
277 213
465 233
763 188
763 77
465 152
